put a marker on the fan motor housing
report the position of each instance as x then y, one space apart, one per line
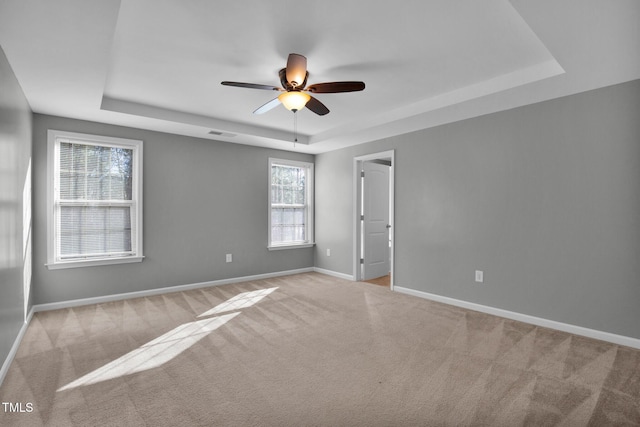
288 86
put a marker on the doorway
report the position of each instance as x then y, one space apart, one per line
373 241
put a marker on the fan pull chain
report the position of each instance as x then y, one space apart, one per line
295 128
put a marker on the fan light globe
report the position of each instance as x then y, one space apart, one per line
294 100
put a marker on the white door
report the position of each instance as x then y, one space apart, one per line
375 207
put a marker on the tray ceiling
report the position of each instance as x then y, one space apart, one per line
158 64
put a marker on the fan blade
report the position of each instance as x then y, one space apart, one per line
296 70
336 87
268 106
317 107
251 85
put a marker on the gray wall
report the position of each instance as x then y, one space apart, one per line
15 153
544 198
202 199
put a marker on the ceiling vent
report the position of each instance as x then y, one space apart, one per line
220 133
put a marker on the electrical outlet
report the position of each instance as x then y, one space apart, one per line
229 257
328 252
479 276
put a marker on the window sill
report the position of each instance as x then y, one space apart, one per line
93 262
293 246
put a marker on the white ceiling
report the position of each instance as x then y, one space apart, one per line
158 64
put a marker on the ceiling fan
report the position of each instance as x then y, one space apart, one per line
294 90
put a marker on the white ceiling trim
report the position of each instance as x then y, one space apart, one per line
501 83
205 122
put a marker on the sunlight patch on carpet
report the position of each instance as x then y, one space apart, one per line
243 300
166 347
154 353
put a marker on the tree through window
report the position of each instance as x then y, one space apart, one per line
291 203
96 199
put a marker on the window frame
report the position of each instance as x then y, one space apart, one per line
309 199
54 138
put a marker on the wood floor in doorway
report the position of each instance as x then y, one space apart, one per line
381 281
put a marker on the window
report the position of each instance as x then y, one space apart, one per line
94 200
290 204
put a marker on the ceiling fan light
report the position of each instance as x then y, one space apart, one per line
294 100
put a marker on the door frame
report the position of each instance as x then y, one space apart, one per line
357 192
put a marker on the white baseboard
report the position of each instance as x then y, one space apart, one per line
334 274
159 291
14 347
546 323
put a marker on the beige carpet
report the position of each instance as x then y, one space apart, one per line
311 350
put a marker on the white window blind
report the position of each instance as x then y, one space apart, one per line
96 199
291 203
